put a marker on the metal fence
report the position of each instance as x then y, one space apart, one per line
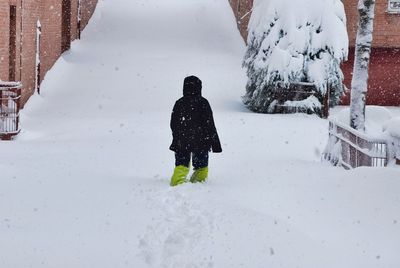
300 91
357 149
10 104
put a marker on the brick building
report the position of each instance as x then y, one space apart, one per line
384 81
19 33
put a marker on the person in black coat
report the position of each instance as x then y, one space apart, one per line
194 133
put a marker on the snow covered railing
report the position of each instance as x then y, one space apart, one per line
10 104
350 148
301 97
394 148
392 128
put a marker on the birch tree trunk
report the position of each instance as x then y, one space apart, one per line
359 83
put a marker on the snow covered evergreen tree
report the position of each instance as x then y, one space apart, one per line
295 43
359 83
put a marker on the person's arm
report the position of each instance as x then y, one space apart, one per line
174 118
215 142
174 124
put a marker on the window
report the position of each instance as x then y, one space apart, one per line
12 44
66 25
394 6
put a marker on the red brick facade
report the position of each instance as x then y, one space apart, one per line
242 11
384 70
384 82
386 25
28 12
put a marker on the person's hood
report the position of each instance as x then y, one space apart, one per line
192 86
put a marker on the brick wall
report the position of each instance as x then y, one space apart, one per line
384 69
386 25
88 7
384 77
30 14
49 12
4 37
242 11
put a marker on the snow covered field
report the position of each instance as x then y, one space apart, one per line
86 182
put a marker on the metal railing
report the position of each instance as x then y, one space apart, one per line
298 91
10 105
357 149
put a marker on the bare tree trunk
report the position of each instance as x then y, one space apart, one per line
359 84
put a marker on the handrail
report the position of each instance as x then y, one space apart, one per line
356 132
7 85
10 105
368 152
357 149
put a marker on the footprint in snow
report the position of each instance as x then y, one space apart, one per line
181 235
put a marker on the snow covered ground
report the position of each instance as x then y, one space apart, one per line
86 182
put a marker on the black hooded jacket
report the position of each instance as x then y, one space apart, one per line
192 121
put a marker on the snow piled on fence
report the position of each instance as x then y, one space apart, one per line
303 40
392 128
311 103
381 123
376 118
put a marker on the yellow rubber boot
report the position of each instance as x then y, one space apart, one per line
179 176
199 175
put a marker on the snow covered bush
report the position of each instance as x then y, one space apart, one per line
333 151
392 128
294 43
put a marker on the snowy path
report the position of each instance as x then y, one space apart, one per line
86 183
